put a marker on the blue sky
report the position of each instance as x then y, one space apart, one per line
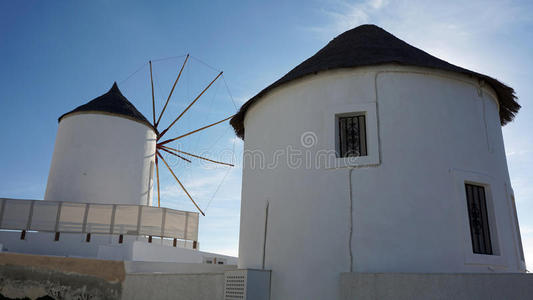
58 55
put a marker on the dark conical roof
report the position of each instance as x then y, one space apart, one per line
368 45
112 102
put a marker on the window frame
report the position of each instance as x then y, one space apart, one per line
331 135
485 236
461 178
362 133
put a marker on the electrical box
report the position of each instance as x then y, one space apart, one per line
247 284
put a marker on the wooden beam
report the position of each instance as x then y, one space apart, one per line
197 156
194 131
157 172
171 91
187 160
186 109
153 98
185 190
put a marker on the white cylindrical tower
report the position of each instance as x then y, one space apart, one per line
104 153
374 156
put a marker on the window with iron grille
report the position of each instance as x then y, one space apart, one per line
479 219
352 136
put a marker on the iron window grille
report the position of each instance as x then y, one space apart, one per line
352 136
479 219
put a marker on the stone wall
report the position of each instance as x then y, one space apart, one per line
34 276
24 276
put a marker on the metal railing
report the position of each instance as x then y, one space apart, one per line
119 219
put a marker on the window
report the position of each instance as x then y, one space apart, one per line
474 199
479 219
352 136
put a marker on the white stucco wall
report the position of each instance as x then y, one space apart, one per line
157 252
102 158
431 286
428 132
160 253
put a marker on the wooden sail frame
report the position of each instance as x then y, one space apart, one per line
194 155
157 172
191 104
171 91
175 154
153 96
194 131
179 182
160 146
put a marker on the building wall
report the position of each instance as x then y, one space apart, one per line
402 286
102 158
105 246
157 252
401 209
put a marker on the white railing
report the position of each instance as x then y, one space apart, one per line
74 217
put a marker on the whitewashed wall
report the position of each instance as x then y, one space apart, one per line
101 158
407 209
105 246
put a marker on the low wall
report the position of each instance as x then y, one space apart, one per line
146 267
470 286
162 280
107 247
174 286
34 276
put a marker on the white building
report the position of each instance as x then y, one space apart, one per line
99 195
104 153
374 156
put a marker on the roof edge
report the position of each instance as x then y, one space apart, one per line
339 54
98 112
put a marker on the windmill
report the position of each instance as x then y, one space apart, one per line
162 146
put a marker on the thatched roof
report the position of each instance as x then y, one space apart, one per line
112 102
369 45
